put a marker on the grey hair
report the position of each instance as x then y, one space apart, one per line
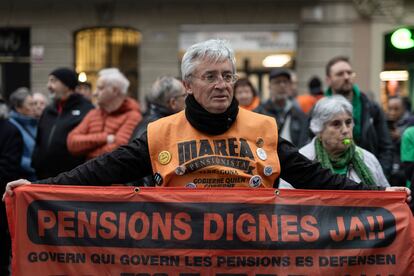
215 50
326 109
114 77
45 96
18 96
165 88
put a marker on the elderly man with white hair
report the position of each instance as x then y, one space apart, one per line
212 143
167 97
333 145
111 124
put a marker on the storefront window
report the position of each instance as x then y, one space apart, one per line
98 48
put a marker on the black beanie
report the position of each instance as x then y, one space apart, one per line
67 76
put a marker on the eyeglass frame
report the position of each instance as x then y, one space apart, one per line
215 79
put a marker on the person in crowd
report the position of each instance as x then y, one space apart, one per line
111 124
307 101
370 126
11 150
40 103
51 155
407 158
333 145
167 97
293 90
398 119
85 89
292 122
208 143
246 94
22 116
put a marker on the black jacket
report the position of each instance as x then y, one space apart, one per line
11 150
132 162
51 155
375 136
298 123
155 112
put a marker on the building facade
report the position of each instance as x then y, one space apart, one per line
153 34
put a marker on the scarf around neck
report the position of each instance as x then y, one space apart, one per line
210 123
341 164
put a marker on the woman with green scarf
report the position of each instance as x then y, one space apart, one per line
333 145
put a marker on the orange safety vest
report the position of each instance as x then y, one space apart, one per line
243 156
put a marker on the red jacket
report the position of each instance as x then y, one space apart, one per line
90 136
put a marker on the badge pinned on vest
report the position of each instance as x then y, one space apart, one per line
268 170
261 153
158 179
255 181
191 185
259 142
164 157
180 170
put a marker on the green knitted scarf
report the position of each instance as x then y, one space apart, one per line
339 165
356 110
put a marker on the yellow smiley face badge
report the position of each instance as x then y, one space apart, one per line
164 157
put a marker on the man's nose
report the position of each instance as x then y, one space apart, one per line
220 83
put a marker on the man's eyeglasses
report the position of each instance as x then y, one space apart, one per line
215 78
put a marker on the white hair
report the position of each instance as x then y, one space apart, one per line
215 50
165 88
114 77
326 109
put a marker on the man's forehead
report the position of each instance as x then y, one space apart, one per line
396 101
340 66
208 65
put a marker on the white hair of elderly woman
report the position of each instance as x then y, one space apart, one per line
326 109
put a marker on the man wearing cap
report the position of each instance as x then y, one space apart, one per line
291 121
51 155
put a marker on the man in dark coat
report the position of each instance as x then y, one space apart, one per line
291 121
51 155
11 150
370 125
167 97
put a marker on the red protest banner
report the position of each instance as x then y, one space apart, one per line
72 230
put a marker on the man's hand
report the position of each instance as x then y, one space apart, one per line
11 185
400 189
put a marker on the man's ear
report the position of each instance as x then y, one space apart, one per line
187 86
171 103
328 81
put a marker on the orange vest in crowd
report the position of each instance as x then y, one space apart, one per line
243 156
